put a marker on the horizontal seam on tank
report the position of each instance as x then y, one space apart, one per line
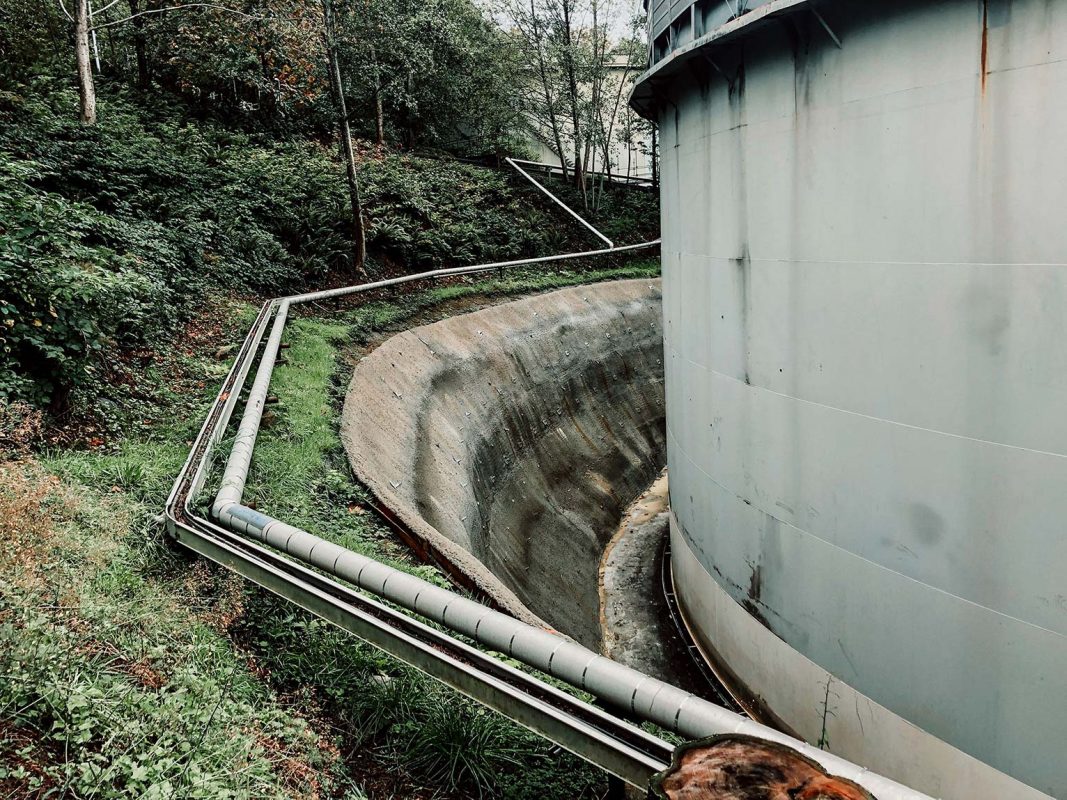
883 567
854 262
873 418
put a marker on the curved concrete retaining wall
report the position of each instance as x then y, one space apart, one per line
513 438
866 340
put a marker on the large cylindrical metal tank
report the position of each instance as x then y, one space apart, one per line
864 210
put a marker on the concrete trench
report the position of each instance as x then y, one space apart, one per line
513 440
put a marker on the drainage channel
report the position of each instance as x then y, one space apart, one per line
602 738
618 747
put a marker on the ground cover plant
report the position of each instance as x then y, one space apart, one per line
132 669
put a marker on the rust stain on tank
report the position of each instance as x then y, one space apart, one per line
985 44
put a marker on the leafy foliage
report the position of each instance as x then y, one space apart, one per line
108 232
441 72
117 690
66 293
434 213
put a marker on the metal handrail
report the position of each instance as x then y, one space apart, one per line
559 202
614 177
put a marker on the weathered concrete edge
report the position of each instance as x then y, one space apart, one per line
462 565
455 560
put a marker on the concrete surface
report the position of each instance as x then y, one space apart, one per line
512 439
635 620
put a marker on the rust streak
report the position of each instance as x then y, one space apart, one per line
985 43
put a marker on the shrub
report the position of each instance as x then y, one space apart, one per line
64 298
426 213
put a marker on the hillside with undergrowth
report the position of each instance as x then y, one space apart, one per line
150 200
132 668
110 235
134 252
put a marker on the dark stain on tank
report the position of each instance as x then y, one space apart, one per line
701 75
800 44
755 582
743 265
927 525
989 318
737 85
985 44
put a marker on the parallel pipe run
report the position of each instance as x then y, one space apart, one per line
329 294
644 696
237 465
589 732
619 686
559 202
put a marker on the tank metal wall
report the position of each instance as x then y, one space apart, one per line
865 307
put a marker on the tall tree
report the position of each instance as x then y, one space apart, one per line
570 68
578 77
86 86
359 235
140 49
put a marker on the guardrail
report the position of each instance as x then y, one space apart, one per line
612 177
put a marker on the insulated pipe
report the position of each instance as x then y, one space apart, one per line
327 294
559 202
240 458
645 697
236 472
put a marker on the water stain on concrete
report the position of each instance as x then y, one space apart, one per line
512 439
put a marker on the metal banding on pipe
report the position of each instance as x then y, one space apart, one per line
551 653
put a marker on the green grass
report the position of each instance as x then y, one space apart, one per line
130 669
119 681
379 316
118 676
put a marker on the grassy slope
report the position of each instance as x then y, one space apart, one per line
198 681
118 677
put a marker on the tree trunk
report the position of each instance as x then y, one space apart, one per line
379 114
86 87
379 119
359 236
572 87
139 48
737 767
547 86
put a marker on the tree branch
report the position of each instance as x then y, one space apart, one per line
175 8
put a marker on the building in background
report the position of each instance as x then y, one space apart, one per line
632 138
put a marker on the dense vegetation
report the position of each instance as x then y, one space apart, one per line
132 252
132 670
109 233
